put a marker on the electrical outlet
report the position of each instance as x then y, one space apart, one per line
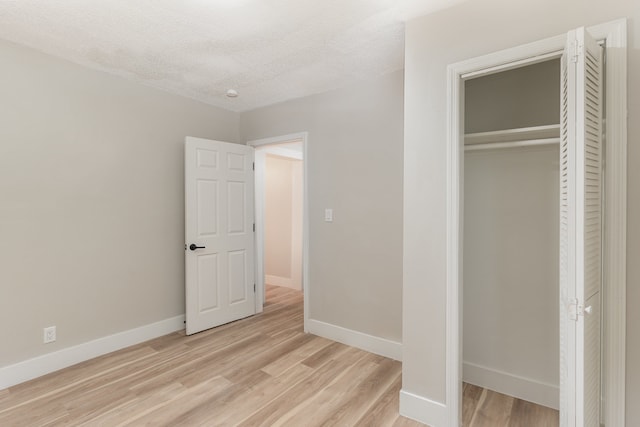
49 334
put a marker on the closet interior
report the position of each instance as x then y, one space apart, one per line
511 232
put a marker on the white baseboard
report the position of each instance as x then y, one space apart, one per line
286 282
370 343
47 363
421 409
512 385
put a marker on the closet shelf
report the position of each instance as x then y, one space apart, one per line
537 135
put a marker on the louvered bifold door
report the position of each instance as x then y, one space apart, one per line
580 230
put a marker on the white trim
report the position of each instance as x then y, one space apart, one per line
615 219
283 139
512 385
297 202
51 362
370 343
455 145
614 34
306 285
421 409
259 159
287 282
259 194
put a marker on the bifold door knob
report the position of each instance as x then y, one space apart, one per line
193 247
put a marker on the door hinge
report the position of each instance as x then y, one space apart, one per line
575 50
254 288
573 309
254 165
577 309
254 227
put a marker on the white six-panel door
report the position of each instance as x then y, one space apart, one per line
580 230
219 246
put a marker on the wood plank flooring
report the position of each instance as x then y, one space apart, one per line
260 371
486 408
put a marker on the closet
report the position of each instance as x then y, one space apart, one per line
511 232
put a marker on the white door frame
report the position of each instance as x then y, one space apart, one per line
614 35
260 221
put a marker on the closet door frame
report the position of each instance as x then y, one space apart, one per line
614 37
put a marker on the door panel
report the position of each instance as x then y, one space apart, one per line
589 250
581 231
208 273
567 259
219 221
236 207
237 279
207 221
590 411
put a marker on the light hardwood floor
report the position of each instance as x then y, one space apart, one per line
260 371
486 408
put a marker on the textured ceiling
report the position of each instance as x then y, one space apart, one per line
268 50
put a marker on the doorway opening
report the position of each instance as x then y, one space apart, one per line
511 239
281 217
613 37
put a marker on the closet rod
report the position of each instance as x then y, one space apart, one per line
511 65
512 144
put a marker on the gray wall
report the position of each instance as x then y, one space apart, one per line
523 97
355 167
510 265
432 42
91 191
91 183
